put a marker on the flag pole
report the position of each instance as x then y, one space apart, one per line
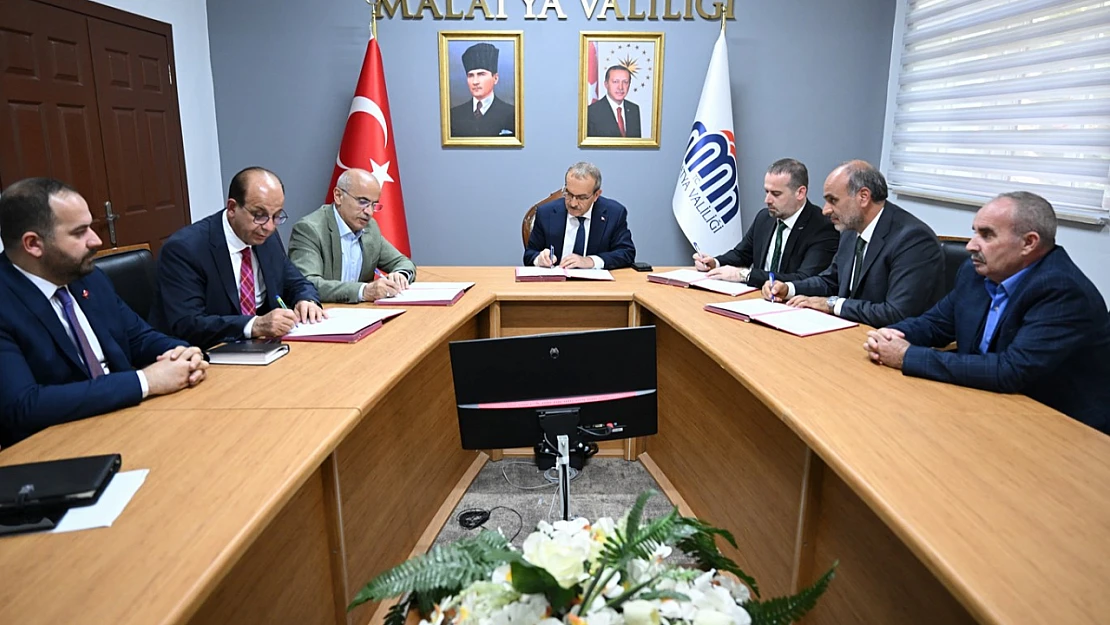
724 17
373 19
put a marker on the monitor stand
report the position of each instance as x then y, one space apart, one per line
562 423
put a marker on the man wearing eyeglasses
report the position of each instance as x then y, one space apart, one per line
226 277
347 226
583 230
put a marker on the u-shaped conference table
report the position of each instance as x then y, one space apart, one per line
275 492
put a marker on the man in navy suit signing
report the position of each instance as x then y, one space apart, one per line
69 347
226 277
583 230
1024 318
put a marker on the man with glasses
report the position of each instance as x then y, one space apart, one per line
226 277
347 226
582 230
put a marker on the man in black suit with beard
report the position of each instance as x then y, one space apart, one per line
484 115
790 238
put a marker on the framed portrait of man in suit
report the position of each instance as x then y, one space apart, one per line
481 87
620 87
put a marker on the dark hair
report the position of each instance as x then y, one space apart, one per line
799 175
25 207
863 175
1033 213
238 189
621 68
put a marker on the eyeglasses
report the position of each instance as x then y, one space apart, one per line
260 218
364 202
581 198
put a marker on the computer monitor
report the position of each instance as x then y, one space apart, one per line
597 385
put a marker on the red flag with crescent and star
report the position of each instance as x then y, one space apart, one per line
368 144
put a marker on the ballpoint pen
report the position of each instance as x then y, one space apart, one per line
771 295
552 255
281 302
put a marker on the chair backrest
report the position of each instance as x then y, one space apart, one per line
955 253
530 215
131 270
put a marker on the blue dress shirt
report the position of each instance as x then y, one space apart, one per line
1000 296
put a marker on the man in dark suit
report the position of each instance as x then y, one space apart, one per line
69 347
790 238
209 288
888 265
584 229
1024 318
613 115
484 114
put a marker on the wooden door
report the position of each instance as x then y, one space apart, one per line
142 135
50 125
88 98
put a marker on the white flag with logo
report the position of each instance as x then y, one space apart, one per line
706 199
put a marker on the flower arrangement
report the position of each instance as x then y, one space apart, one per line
578 573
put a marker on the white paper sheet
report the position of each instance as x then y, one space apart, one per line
107 509
343 321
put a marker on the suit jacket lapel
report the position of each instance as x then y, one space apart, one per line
762 239
222 259
42 310
597 228
875 245
796 234
95 307
845 253
371 251
270 261
559 230
333 263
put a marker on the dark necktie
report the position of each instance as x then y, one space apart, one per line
477 110
620 120
580 237
92 364
857 265
776 256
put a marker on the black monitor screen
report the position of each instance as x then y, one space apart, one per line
501 385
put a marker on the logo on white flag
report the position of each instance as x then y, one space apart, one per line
708 176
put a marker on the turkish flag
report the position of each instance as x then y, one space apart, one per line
368 143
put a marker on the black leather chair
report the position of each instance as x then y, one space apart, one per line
955 253
131 270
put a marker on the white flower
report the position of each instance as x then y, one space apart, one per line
529 610
502 574
640 612
711 617
605 616
738 590
561 549
600 532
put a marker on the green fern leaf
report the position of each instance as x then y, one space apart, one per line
783 610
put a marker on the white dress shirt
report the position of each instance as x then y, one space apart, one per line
350 245
49 289
486 102
789 221
569 236
235 247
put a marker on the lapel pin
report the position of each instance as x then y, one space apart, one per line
602 219
85 293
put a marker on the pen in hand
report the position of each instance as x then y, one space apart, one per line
771 291
281 302
552 255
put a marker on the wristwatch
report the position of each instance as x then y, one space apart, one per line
831 303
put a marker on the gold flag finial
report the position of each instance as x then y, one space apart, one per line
373 18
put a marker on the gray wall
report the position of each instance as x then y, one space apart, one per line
809 80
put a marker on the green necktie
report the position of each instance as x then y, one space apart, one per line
777 255
857 266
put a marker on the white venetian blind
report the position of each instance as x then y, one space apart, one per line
1005 95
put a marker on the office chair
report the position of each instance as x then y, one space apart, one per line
131 270
954 250
530 215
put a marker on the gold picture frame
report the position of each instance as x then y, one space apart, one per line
501 124
640 55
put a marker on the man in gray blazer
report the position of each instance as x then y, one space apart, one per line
339 246
888 264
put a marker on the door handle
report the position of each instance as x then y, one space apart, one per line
111 218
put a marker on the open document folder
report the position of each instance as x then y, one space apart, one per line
343 325
693 277
559 274
427 294
797 321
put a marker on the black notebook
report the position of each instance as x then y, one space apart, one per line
252 352
35 496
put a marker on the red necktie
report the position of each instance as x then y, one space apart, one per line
620 119
246 284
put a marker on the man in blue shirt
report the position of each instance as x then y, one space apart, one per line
1024 318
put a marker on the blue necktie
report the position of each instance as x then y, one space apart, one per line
580 237
91 362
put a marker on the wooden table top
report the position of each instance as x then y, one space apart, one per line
216 480
1004 499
